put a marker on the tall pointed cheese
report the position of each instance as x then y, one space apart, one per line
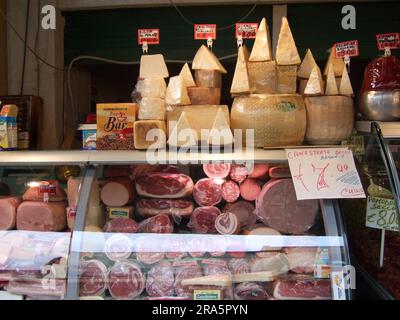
315 84
262 50
153 66
205 59
331 86
286 52
183 134
240 82
177 93
338 64
220 134
187 76
306 66
345 84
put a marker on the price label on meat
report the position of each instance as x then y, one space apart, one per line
149 36
346 49
388 40
381 214
246 30
324 173
205 31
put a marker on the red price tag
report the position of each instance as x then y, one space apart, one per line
347 48
388 40
246 30
149 36
49 188
205 31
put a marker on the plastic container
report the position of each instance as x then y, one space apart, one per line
89 135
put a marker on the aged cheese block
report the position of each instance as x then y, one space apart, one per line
208 78
331 86
262 46
277 120
220 134
199 117
286 77
338 64
150 134
302 85
315 85
153 66
152 87
306 66
177 93
182 134
204 96
152 109
240 83
187 76
286 51
262 76
206 60
345 84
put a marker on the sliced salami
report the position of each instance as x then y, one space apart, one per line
203 220
217 171
186 272
227 223
121 225
158 224
207 192
239 173
239 266
230 191
160 280
146 251
92 278
118 248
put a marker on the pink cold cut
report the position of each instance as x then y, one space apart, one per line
117 192
250 189
8 212
230 191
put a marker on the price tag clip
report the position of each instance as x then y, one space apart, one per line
210 42
240 41
145 47
347 62
388 52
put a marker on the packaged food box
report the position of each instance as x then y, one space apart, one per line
8 128
89 136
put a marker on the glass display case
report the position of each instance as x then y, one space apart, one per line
177 230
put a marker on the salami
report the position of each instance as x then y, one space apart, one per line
146 251
230 191
207 192
118 248
160 280
186 272
93 278
278 207
125 281
280 172
227 223
239 173
260 171
121 225
244 211
250 291
239 266
250 189
157 224
203 220
164 185
174 207
217 171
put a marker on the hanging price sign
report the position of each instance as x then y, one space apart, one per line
205 31
246 30
388 41
148 36
346 49
381 214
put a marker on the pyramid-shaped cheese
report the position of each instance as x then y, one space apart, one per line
331 86
315 84
286 52
240 82
220 134
205 59
345 84
153 66
177 93
183 134
187 76
338 64
306 66
262 46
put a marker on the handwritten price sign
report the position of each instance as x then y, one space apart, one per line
246 30
381 214
388 40
149 36
348 48
205 31
324 173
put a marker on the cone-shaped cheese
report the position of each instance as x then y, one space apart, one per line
286 52
187 76
206 60
240 82
315 85
306 66
262 46
183 134
338 64
220 134
331 86
153 66
177 94
345 84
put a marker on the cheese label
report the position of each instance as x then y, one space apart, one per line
121 213
381 214
246 30
149 36
388 40
205 31
207 294
346 49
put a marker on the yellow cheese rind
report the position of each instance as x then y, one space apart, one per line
204 96
182 135
286 77
262 77
187 76
220 134
262 50
315 85
177 92
241 83
331 86
206 60
338 64
346 88
153 66
152 109
306 66
286 52
208 78
145 138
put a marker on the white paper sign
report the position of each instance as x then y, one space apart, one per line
381 214
324 173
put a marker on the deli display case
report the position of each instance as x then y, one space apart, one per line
118 225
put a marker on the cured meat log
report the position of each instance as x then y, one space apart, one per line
301 260
230 191
40 216
244 210
8 212
117 172
117 192
157 224
38 288
227 223
207 192
260 171
278 207
203 220
160 280
118 248
121 225
93 278
250 291
45 191
239 173
125 281
302 289
217 171
250 189
280 172
186 272
164 185
146 251
153 207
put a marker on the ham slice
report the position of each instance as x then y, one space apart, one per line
8 212
302 288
